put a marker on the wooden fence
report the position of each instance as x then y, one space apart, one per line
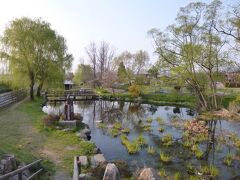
9 98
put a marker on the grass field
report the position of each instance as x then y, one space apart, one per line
22 134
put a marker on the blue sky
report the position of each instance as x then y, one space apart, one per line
122 23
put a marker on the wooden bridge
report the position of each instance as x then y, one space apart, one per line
77 95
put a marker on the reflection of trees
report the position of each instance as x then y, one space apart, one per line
210 145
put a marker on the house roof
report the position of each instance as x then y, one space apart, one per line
68 82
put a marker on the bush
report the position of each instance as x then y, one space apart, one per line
134 90
50 120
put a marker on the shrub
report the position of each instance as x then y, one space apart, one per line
134 90
50 120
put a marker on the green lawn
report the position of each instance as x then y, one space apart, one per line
22 134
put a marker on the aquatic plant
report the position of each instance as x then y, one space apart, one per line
149 120
151 150
102 126
132 148
192 177
162 173
178 176
219 148
115 132
141 141
126 130
237 143
210 170
124 139
190 169
160 121
228 159
117 125
147 127
161 129
167 140
199 154
165 158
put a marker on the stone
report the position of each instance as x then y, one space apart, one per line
82 135
148 174
111 172
97 151
8 163
97 159
83 160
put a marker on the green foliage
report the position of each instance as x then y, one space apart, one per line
134 90
161 129
162 173
102 125
35 52
141 141
228 159
122 73
83 74
117 126
178 176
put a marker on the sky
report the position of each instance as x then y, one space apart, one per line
122 23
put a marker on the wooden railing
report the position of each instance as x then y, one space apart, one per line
9 98
19 172
76 168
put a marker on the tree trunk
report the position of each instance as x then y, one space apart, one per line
31 86
39 89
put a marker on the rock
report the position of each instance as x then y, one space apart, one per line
97 151
111 172
123 168
86 177
148 174
7 164
97 159
84 133
83 160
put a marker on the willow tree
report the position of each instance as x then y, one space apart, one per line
193 49
35 53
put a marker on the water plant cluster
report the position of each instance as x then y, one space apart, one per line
134 146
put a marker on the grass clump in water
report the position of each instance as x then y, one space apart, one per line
151 150
167 140
162 173
147 127
115 132
102 126
117 125
228 159
126 130
165 158
141 141
160 121
161 129
149 120
211 171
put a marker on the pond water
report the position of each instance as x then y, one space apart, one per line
134 116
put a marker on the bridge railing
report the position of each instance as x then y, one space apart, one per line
19 172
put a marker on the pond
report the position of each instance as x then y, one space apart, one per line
108 120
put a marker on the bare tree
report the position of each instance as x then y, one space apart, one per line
141 59
91 51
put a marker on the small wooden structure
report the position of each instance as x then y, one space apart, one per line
68 84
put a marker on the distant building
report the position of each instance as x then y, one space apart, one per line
68 84
232 79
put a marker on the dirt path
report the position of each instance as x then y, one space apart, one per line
18 136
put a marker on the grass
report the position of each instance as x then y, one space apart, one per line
210 170
167 140
102 126
23 134
151 150
228 159
126 130
149 120
165 158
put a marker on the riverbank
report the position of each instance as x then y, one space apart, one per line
23 134
171 98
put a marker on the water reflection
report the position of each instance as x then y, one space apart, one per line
132 115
